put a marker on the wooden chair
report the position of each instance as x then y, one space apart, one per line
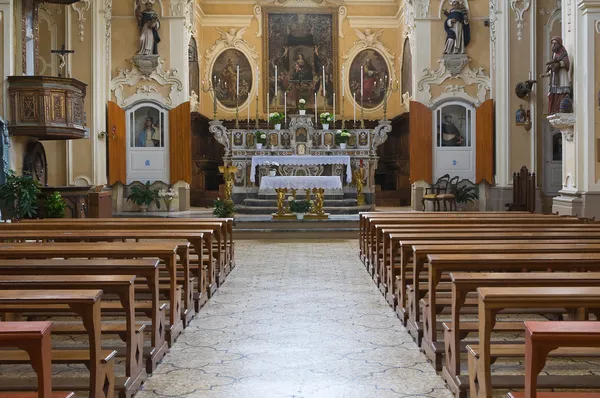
440 187
448 197
523 191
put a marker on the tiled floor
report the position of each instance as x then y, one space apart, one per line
296 319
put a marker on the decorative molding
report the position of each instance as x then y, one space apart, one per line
82 181
468 75
369 40
342 14
519 7
108 26
569 14
564 122
232 39
258 15
543 11
221 135
597 26
493 19
131 77
465 3
81 7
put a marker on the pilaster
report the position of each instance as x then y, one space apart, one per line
8 54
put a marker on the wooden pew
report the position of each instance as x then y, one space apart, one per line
35 395
119 285
205 273
143 268
466 237
86 304
33 338
222 228
543 337
464 283
164 251
494 299
445 263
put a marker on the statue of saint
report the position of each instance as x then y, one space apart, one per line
558 71
149 137
458 30
370 79
229 80
450 134
149 25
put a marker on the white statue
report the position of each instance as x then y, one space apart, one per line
149 24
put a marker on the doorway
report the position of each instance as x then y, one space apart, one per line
553 156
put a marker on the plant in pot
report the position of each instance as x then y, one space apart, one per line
261 139
168 195
464 194
276 118
302 106
342 137
19 196
223 208
300 207
326 119
273 167
55 205
144 196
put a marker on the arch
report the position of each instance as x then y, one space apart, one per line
194 67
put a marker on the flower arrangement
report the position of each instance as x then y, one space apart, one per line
342 136
326 118
261 137
276 118
168 195
223 208
300 206
144 196
271 165
302 104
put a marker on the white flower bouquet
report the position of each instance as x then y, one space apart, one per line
326 118
302 104
276 118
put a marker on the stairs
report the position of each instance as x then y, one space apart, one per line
257 227
334 204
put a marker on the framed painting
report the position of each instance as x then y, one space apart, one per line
301 46
224 76
375 72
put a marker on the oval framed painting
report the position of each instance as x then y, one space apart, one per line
224 77
375 70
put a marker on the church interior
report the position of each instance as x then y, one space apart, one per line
300 198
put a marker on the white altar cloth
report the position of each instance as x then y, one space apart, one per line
302 161
301 182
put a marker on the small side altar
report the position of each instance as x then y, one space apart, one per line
301 139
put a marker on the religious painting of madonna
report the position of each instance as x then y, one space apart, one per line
147 128
375 73
224 75
302 57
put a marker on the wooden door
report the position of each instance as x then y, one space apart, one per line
117 144
484 155
180 143
420 142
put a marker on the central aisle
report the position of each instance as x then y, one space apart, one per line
296 319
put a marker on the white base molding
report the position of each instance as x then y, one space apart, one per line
567 204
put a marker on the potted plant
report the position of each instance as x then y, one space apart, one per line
261 139
19 196
326 118
300 207
55 205
144 196
342 137
276 118
302 106
272 166
223 208
168 195
464 194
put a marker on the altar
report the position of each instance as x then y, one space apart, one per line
301 148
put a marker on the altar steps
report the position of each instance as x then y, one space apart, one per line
256 227
334 204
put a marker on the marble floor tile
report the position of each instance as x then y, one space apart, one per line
296 319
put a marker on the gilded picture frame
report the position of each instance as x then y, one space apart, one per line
300 83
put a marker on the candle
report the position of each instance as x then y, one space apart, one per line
249 106
237 83
268 113
323 81
284 108
333 110
275 80
257 77
315 109
362 83
354 107
343 81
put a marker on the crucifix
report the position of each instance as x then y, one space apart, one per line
62 55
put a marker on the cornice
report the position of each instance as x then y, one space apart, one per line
217 20
588 6
384 22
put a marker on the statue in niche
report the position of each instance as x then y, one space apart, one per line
558 70
149 137
458 30
149 24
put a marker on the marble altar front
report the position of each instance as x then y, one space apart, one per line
300 138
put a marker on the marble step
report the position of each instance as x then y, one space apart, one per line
301 194
243 209
273 202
